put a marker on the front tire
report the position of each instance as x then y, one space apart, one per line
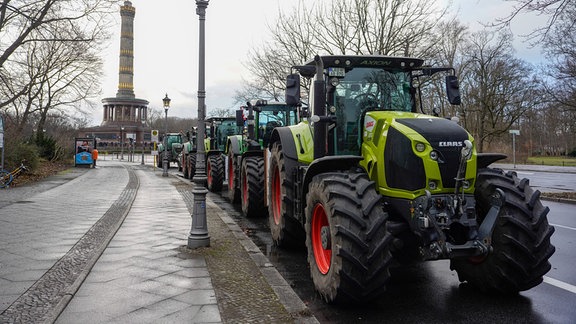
284 226
159 161
185 166
520 241
191 165
346 237
215 174
233 174
252 183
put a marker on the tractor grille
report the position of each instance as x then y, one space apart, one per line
404 170
447 138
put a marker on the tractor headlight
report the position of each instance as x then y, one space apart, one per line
334 82
434 155
465 184
420 147
432 185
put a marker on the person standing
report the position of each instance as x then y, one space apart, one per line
94 156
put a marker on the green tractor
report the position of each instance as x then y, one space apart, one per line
246 162
174 143
218 129
370 181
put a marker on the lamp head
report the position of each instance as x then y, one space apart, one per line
166 101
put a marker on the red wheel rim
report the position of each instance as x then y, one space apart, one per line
209 171
276 196
322 253
244 189
230 174
477 259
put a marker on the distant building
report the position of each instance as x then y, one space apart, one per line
124 116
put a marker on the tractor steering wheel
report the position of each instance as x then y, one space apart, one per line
367 96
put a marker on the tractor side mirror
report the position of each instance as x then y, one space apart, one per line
239 118
453 89
293 89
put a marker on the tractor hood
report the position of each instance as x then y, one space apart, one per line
419 152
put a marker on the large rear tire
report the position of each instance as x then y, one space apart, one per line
346 237
285 229
191 165
520 241
252 187
159 160
233 175
215 173
185 166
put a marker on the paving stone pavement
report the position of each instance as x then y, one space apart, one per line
143 275
39 230
66 256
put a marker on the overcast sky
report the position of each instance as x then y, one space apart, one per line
166 47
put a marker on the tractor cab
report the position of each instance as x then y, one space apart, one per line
265 116
217 131
351 86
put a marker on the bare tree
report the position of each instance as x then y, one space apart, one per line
59 75
220 112
553 9
450 39
560 48
387 27
49 55
499 88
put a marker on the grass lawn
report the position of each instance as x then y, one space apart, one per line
552 160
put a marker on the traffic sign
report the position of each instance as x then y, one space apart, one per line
154 135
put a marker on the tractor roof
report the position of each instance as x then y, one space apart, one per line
370 61
211 119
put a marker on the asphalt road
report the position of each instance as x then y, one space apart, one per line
430 292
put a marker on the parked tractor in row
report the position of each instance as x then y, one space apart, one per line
370 180
218 129
171 145
245 152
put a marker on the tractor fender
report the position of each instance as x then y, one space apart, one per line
284 136
328 164
186 148
485 159
233 144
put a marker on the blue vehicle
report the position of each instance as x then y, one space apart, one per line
83 151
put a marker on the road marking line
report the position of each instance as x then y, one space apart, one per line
566 227
560 284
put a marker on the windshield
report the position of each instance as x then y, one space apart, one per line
374 89
362 90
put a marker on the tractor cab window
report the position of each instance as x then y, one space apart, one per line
227 128
273 116
174 139
362 90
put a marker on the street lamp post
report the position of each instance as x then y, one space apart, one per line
166 101
121 142
199 233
